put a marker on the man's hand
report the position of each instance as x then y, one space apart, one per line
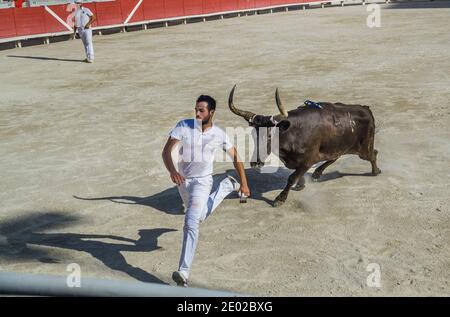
245 190
177 178
91 20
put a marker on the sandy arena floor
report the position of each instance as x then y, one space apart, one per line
70 130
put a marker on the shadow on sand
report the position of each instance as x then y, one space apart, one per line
169 200
24 237
47 58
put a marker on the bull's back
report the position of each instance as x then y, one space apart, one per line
337 128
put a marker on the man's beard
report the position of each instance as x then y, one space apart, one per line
206 120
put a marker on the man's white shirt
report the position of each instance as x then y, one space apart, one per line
82 17
198 148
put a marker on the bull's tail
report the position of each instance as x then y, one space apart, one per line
370 112
375 126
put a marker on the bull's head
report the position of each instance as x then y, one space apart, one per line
260 121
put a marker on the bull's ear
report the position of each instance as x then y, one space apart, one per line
283 125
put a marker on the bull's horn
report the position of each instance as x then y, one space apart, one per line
247 115
280 105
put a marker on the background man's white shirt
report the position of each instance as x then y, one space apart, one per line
82 17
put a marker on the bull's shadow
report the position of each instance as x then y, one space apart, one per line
169 200
260 182
336 174
19 238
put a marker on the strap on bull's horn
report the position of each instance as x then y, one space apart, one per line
251 119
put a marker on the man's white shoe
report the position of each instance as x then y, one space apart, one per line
179 278
236 185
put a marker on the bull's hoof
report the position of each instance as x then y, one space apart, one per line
298 187
277 202
376 172
316 175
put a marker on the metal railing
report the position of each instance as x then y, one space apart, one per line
52 285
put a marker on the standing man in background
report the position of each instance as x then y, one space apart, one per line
83 21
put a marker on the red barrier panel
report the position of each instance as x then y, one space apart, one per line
247 4
127 6
277 2
108 13
210 6
7 25
153 9
229 5
29 20
262 3
173 8
52 25
193 7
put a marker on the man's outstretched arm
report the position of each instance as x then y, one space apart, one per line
239 166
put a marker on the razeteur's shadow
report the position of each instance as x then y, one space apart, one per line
20 237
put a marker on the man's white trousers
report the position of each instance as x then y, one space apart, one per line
200 203
86 37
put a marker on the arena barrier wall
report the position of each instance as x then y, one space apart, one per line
17 24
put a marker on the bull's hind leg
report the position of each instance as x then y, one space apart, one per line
367 151
373 161
293 179
371 156
318 171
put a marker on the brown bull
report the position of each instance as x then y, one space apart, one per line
308 135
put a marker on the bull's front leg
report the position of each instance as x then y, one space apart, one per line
292 180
